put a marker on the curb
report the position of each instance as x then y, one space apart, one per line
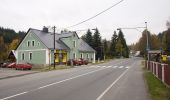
18 75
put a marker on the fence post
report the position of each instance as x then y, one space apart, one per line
147 64
157 69
153 68
163 76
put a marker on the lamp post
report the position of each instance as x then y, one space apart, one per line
147 34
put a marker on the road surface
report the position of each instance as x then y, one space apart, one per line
120 79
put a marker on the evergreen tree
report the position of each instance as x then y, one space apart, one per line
121 46
89 38
97 44
105 49
113 45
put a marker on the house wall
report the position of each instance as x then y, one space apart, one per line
69 42
40 53
87 56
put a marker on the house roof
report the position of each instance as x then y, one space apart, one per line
84 46
47 39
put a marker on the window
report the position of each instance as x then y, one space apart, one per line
38 44
81 56
28 43
30 55
74 55
22 56
87 56
74 43
33 43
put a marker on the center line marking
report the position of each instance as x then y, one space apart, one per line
53 84
9 97
108 88
13 96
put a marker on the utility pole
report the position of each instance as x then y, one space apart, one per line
147 36
54 46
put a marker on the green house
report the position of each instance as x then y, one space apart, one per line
37 47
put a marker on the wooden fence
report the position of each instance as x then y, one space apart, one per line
161 71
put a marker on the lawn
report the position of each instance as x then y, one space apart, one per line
157 90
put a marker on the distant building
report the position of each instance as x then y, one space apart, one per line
37 47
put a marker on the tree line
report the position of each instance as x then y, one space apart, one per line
9 39
105 49
117 47
156 42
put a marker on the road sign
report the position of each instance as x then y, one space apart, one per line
164 57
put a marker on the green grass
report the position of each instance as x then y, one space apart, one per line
157 90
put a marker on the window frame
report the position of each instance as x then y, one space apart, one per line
81 55
74 55
74 43
22 56
33 42
28 43
30 55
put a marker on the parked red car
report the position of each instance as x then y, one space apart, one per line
11 65
23 66
82 61
75 62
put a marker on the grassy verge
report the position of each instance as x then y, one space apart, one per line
50 68
157 90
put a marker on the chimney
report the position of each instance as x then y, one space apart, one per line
45 29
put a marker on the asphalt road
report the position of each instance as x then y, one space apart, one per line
115 80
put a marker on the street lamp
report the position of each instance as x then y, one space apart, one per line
136 28
147 35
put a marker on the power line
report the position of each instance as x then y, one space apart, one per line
96 14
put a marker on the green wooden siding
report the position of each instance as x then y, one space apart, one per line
69 41
38 57
90 55
37 48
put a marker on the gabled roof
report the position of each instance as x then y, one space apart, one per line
47 39
83 46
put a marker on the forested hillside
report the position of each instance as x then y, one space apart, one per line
9 39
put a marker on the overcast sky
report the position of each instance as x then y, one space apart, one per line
25 14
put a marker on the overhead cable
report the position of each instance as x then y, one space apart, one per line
95 15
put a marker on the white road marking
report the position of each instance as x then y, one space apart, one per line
52 84
121 67
127 67
115 67
9 97
108 88
13 96
109 66
69 79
